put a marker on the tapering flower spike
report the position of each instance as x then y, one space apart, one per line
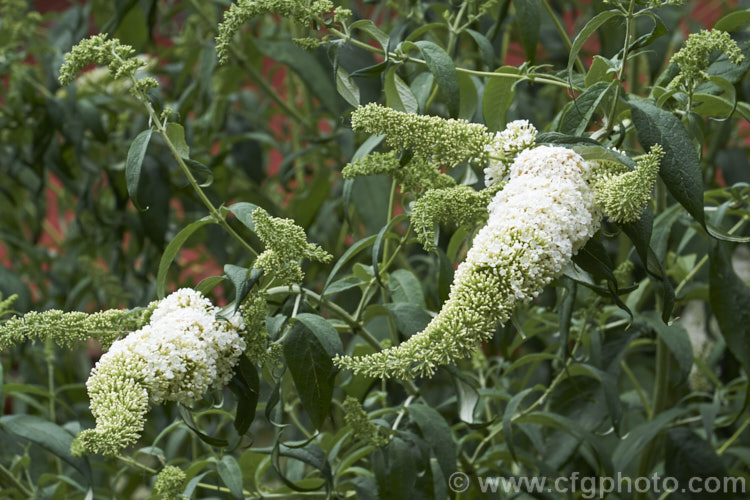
543 216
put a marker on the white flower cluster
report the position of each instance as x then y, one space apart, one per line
182 352
517 136
185 349
543 216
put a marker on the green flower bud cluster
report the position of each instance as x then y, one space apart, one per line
693 57
7 304
462 205
286 244
416 176
623 197
170 483
301 11
444 142
362 429
100 50
68 328
258 349
624 273
119 402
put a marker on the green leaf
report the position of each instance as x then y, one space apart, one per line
529 22
402 470
306 66
405 287
441 65
688 458
599 71
638 438
176 134
187 418
231 474
577 118
171 252
409 318
729 297
350 253
485 47
469 97
398 95
510 410
680 168
246 386
594 24
308 350
136 154
436 431
48 435
346 87
733 20
369 27
677 340
497 98
244 213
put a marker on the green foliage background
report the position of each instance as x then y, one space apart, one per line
598 376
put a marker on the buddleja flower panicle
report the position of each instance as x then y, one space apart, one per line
542 217
301 11
444 142
506 145
459 206
417 176
362 428
100 50
694 57
624 196
286 245
183 351
170 483
69 328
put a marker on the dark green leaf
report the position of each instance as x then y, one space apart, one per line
308 350
176 134
133 165
594 24
48 435
498 95
441 65
246 386
346 87
231 474
691 460
244 213
436 431
171 252
680 168
577 118
398 95
730 297
529 22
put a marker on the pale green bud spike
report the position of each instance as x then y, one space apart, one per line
6 307
693 57
362 429
286 244
241 12
623 197
461 205
119 402
416 176
256 334
68 328
170 483
99 50
445 142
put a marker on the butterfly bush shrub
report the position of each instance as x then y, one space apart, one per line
387 249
